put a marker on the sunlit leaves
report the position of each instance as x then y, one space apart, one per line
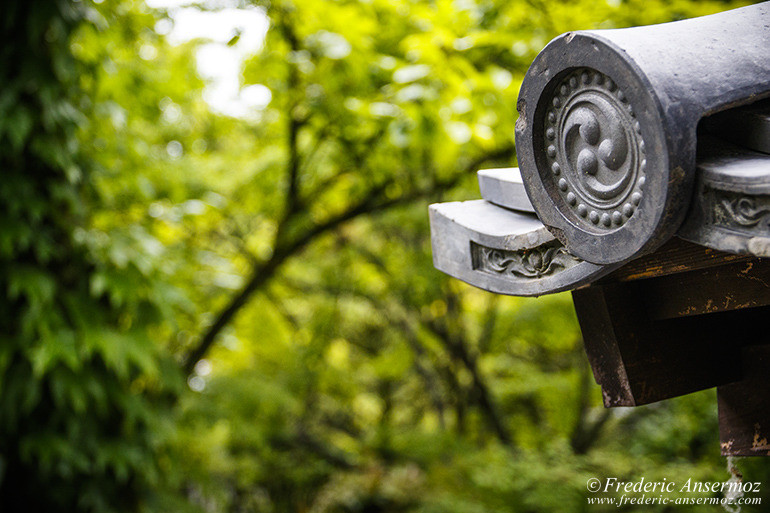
357 377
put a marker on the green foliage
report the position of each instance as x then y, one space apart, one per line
81 380
282 260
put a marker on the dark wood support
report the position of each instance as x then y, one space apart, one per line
676 329
639 360
675 256
744 407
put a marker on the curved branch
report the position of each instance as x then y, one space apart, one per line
374 202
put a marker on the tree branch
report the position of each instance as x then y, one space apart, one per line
490 321
294 123
456 346
373 202
586 433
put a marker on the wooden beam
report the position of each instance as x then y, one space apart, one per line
733 286
638 359
744 407
675 256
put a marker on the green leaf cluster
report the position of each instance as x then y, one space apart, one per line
280 263
83 386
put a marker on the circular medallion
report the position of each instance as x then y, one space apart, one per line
594 150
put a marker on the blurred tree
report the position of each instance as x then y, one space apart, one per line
380 385
81 381
358 126
280 261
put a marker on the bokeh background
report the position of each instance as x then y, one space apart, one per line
216 289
